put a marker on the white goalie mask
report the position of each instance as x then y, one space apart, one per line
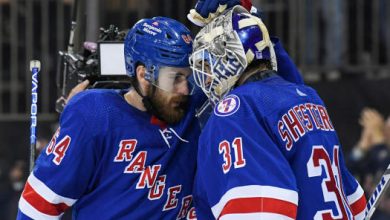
225 47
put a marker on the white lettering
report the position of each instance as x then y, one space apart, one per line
149 31
152 28
291 131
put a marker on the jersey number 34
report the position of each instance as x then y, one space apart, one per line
58 148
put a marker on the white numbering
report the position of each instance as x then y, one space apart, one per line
58 148
224 149
332 189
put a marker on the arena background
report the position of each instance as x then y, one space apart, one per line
342 48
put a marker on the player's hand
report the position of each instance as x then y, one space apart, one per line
373 126
372 119
80 87
207 10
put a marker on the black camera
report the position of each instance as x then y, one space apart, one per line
101 62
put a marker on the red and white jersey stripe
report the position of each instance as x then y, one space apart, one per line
39 202
257 202
357 202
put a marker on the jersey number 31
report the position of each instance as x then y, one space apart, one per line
224 149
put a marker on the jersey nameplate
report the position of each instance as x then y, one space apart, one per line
301 119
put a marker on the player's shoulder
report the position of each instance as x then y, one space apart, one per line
93 103
259 95
94 109
275 93
264 87
235 108
92 98
93 95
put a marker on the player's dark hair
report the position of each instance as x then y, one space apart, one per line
258 64
254 67
133 80
252 72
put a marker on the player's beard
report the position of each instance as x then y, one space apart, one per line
169 107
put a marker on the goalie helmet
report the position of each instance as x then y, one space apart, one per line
225 47
155 43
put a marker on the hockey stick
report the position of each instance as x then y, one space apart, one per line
380 190
35 66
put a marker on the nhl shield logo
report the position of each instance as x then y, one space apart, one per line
228 106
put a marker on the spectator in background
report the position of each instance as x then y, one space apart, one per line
371 156
17 177
372 152
331 15
4 183
334 29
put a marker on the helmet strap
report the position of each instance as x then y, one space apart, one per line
146 99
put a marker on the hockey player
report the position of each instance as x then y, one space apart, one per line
269 150
125 154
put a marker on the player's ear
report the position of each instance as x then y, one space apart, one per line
143 83
140 72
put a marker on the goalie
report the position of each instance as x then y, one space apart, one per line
269 150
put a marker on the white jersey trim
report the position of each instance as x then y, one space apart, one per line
356 195
255 216
252 191
47 193
361 215
31 212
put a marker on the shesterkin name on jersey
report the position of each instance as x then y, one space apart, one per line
301 119
150 178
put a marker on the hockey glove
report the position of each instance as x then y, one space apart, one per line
207 10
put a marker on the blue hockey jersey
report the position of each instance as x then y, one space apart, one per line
111 161
270 151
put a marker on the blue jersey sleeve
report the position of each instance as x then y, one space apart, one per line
241 171
63 170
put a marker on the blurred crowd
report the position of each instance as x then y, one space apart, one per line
371 156
12 179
